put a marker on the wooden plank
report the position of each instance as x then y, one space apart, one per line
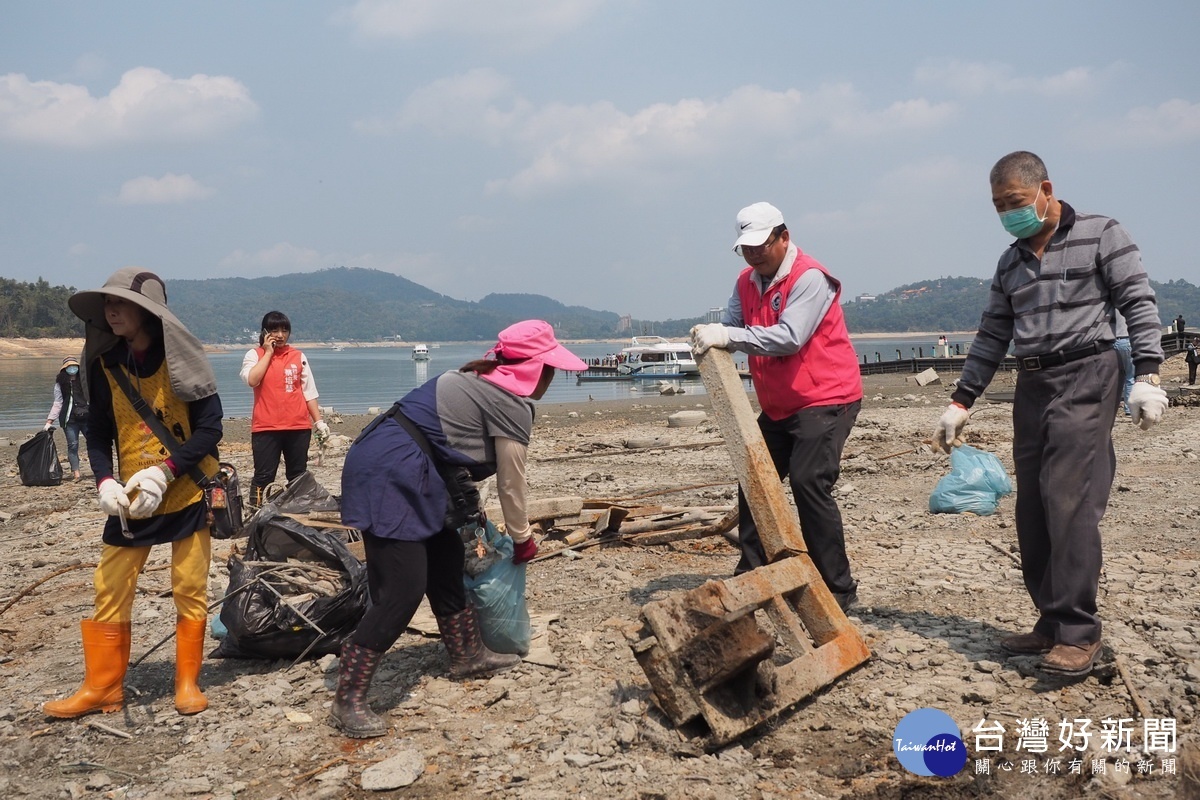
778 526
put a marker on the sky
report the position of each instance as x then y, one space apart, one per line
593 151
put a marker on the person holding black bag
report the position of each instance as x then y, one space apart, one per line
143 366
69 410
407 485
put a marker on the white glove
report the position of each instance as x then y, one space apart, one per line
321 427
1147 404
146 490
711 334
48 426
950 427
112 497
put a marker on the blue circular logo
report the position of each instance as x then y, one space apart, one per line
928 742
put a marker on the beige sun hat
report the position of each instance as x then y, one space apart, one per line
192 376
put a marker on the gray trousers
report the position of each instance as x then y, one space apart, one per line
1065 463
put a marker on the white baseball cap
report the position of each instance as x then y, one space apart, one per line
755 223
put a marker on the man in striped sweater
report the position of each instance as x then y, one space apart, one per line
1053 298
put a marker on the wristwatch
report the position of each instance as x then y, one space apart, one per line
1150 378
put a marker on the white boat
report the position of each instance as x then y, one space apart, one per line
420 352
654 356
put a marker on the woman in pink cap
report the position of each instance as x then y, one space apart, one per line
465 425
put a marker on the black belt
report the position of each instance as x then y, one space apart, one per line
1034 363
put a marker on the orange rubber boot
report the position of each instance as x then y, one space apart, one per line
105 659
189 652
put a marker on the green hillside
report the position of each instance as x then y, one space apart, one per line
369 305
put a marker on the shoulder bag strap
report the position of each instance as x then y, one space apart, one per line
449 475
156 425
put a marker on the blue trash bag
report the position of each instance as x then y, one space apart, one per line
498 594
976 483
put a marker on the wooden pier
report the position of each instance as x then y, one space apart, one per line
1172 344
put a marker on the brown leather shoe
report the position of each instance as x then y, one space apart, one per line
1071 659
1027 644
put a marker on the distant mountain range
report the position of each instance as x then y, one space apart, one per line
346 303
352 304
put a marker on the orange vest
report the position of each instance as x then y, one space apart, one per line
279 403
824 372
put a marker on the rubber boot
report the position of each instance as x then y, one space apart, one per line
350 713
105 659
469 656
189 653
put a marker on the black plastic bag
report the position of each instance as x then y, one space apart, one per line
259 622
37 461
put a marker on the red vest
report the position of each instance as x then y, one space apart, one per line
824 372
279 403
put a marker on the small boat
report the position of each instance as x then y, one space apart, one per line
337 348
655 357
420 352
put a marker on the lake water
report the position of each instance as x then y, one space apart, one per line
357 378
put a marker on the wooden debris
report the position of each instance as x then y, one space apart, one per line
703 651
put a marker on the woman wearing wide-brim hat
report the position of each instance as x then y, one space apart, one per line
154 498
476 420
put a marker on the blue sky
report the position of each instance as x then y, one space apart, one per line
595 151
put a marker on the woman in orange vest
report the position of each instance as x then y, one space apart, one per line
285 411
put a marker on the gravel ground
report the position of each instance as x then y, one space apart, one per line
937 592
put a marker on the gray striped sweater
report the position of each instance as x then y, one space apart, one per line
1065 301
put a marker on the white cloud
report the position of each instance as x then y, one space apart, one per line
276 259
973 78
566 144
146 106
908 194
79 249
512 23
1173 122
170 188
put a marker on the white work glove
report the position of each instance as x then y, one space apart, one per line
709 335
950 427
49 424
113 499
1147 404
149 485
321 427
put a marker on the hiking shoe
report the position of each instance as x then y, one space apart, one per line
1027 644
1071 659
847 600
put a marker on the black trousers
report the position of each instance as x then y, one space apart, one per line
1192 374
268 446
399 574
806 448
1065 464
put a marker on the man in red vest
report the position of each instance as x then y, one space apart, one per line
784 313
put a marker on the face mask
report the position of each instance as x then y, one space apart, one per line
72 370
1024 222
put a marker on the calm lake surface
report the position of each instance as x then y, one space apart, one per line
357 378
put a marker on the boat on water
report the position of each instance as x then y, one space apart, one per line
420 352
654 356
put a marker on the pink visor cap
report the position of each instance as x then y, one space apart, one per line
529 345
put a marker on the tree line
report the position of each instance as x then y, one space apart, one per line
369 305
36 311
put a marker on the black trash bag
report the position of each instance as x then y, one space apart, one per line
260 623
37 461
305 495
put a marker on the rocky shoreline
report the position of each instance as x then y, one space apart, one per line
937 592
